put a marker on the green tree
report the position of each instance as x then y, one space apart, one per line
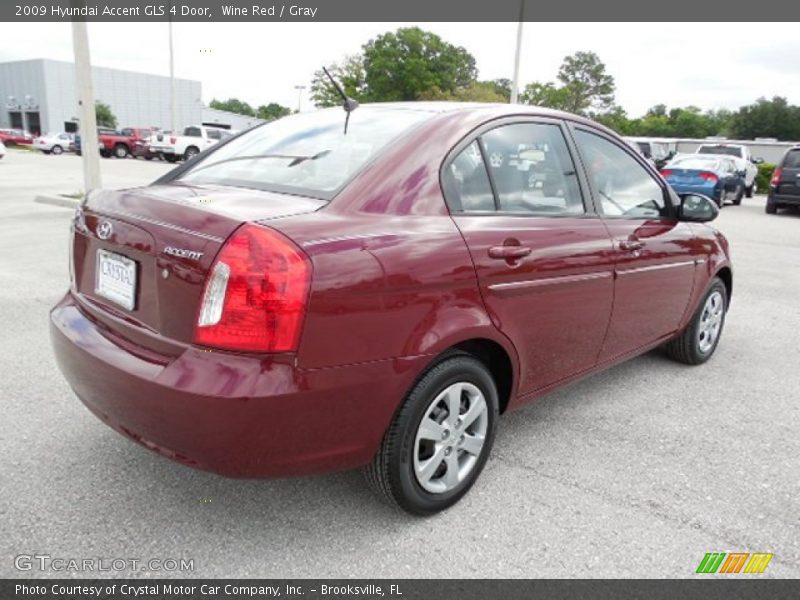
350 75
501 87
616 119
477 91
586 83
404 64
233 105
105 117
767 118
272 111
544 94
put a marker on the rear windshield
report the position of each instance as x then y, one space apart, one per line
729 150
695 163
306 153
792 160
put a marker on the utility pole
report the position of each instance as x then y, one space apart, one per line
88 118
172 96
299 89
515 80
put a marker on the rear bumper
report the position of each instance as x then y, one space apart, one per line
783 200
236 415
162 150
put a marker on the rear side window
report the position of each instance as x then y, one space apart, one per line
720 149
518 168
192 132
792 160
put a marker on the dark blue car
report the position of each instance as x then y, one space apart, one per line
713 175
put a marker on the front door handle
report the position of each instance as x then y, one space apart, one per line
509 252
631 245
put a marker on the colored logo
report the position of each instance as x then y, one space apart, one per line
734 562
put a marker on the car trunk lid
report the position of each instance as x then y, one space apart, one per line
155 246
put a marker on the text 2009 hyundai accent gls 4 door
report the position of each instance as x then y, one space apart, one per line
303 299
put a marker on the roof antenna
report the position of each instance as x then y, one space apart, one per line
349 104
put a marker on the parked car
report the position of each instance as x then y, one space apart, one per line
2 149
129 141
658 152
743 159
15 137
303 299
784 187
714 176
53 143
100 131
194 140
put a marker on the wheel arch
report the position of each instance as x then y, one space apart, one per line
726 275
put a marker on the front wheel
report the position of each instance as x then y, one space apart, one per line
57 150
121 151
440 439
700 338
738 198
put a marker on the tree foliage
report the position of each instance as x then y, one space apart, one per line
767 118
233 105
399 66
104 116
272 111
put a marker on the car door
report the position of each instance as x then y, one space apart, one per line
655 254
543 259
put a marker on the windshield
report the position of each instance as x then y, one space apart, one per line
729 150
306 153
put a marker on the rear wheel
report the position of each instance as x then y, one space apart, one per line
170 158
700 338
771 208
439 440
739 193
750 190
57 149
121 151
191 152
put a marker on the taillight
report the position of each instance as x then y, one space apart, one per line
776 177
173 140
255 296
666 172
709 176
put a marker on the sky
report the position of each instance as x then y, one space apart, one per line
708 65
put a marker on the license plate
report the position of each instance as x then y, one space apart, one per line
116 278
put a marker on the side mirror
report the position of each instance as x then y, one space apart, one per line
697 208
757 160
741 173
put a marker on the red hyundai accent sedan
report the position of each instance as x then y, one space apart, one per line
303 298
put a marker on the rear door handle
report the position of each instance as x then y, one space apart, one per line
508 252
631 245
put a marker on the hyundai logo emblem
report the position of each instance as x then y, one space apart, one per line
104 230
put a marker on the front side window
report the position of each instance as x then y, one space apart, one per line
306 153
625 187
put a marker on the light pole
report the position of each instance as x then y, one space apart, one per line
515 80
88 118
299 89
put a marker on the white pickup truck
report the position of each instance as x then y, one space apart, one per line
191 142
741 156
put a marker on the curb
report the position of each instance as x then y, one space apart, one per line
55 200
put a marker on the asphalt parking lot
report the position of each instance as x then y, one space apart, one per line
635 472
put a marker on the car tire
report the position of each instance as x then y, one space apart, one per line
191 152
770 208
739 194
57 150
423 465
121 151
170 158
749 191
697 343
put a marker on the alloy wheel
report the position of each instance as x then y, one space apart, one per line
710 322
450 437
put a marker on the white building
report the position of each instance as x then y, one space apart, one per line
39 95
